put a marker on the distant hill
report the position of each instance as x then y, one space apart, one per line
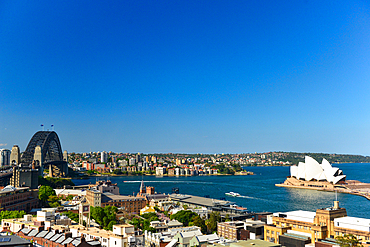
294 158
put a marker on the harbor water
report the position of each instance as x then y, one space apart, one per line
258 192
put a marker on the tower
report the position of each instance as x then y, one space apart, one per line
65 156
84 211
37 156
142 188
15 155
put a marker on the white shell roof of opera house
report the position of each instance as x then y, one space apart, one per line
312 170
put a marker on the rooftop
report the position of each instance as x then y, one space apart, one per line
197 200
13 240
300 215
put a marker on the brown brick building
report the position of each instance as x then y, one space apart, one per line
22 198
130 204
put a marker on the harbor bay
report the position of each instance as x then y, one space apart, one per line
257 192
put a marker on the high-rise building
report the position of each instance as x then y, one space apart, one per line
104 157
138 157
4 157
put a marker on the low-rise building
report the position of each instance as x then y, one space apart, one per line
130 204
14 241
21 198
67 192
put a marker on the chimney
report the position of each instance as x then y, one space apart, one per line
336 205
82 238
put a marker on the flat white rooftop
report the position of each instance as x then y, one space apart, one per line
299 215
354 223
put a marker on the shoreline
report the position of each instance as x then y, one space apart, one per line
343 189
153 175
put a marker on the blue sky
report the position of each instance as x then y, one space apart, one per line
187 76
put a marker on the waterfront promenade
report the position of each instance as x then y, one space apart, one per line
352 187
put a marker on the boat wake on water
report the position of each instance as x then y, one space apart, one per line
234 194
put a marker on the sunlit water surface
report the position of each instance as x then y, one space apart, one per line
259 193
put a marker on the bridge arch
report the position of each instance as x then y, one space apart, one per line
51 149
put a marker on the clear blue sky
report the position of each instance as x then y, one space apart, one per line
187 76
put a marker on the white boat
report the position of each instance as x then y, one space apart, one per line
232 194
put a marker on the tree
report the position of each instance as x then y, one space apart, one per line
184 216
11 214
197 221
348 240
211 223
144 223
45 192
106 217
69 197
72 216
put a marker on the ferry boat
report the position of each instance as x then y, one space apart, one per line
234 194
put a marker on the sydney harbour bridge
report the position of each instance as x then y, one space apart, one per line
43 152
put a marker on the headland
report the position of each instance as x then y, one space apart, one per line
323 177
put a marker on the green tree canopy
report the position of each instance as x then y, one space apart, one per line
348 240
106 217
211 223
184 216
11 214
45 192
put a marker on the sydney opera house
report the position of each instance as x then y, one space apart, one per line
312 170
314 175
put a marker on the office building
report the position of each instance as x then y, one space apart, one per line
4 157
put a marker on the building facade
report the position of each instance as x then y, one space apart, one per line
325 223
23 198
4 157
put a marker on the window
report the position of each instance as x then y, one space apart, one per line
272 232
267 231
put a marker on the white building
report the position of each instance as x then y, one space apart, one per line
312 170
104 157
353 223
159 171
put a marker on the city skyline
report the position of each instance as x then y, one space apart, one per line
187 77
